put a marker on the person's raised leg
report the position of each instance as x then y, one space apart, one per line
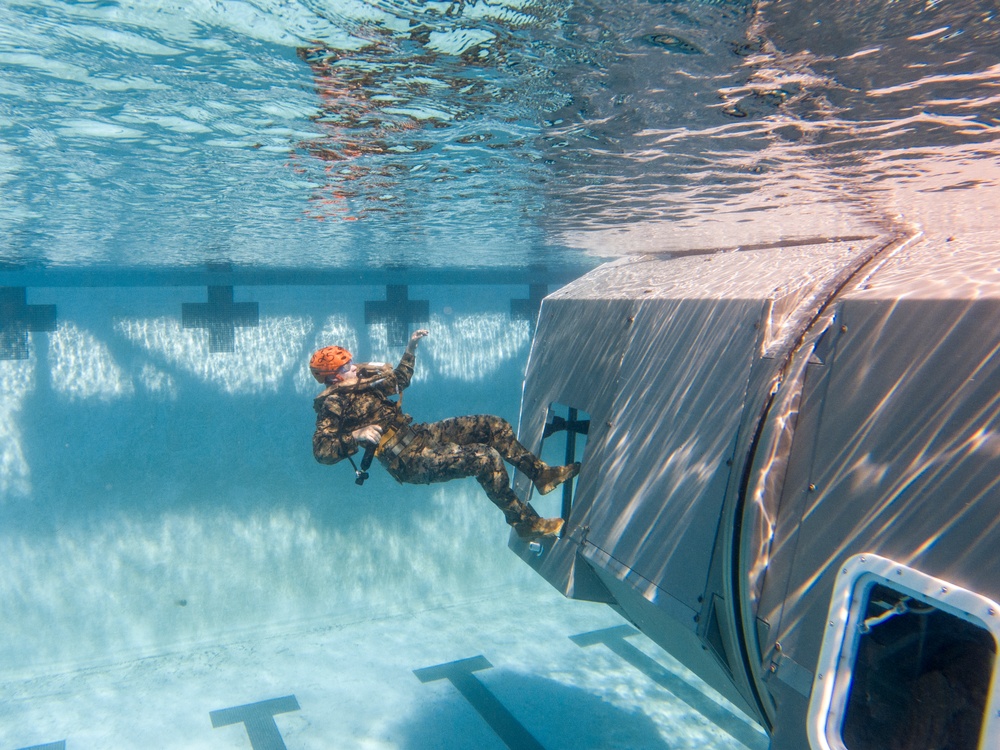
495 481
442 462
499 435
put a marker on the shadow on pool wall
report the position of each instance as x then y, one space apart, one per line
156 494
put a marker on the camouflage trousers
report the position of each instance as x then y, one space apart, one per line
472 446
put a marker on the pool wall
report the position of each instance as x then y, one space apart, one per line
155 494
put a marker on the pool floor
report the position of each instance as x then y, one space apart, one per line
520 667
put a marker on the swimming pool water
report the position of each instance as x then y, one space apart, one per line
174 558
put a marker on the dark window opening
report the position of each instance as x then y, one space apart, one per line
563 442
921 677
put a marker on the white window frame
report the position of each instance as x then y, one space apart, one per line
832 682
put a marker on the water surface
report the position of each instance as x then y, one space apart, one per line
318 133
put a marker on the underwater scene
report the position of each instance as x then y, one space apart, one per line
197 196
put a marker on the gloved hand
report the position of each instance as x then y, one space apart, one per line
415 338
369 434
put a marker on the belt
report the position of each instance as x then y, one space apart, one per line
394 440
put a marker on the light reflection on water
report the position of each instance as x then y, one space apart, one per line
324 133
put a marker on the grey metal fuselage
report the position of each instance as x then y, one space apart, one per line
757 418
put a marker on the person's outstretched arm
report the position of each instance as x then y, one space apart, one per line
404 370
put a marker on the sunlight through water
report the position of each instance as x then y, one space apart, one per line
323 133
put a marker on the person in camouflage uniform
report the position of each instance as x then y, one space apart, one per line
357 408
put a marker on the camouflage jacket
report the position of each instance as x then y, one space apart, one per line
341 409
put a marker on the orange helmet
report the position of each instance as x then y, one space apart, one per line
327 361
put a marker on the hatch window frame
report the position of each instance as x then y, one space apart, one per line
834 672
576 423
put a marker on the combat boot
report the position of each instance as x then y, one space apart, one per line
550 477
532 528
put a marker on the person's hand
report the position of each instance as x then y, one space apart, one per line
370 434
417 335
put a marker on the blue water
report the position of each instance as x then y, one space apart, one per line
170 547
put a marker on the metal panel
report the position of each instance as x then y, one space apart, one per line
904 462
665 467
907 456
578 349
921 456
575 360
671 635
793 498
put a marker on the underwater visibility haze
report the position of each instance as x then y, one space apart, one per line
195 195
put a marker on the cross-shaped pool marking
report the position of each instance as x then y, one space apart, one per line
17 317
220 315
527 309
398 312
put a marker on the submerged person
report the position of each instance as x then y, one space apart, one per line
357 408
